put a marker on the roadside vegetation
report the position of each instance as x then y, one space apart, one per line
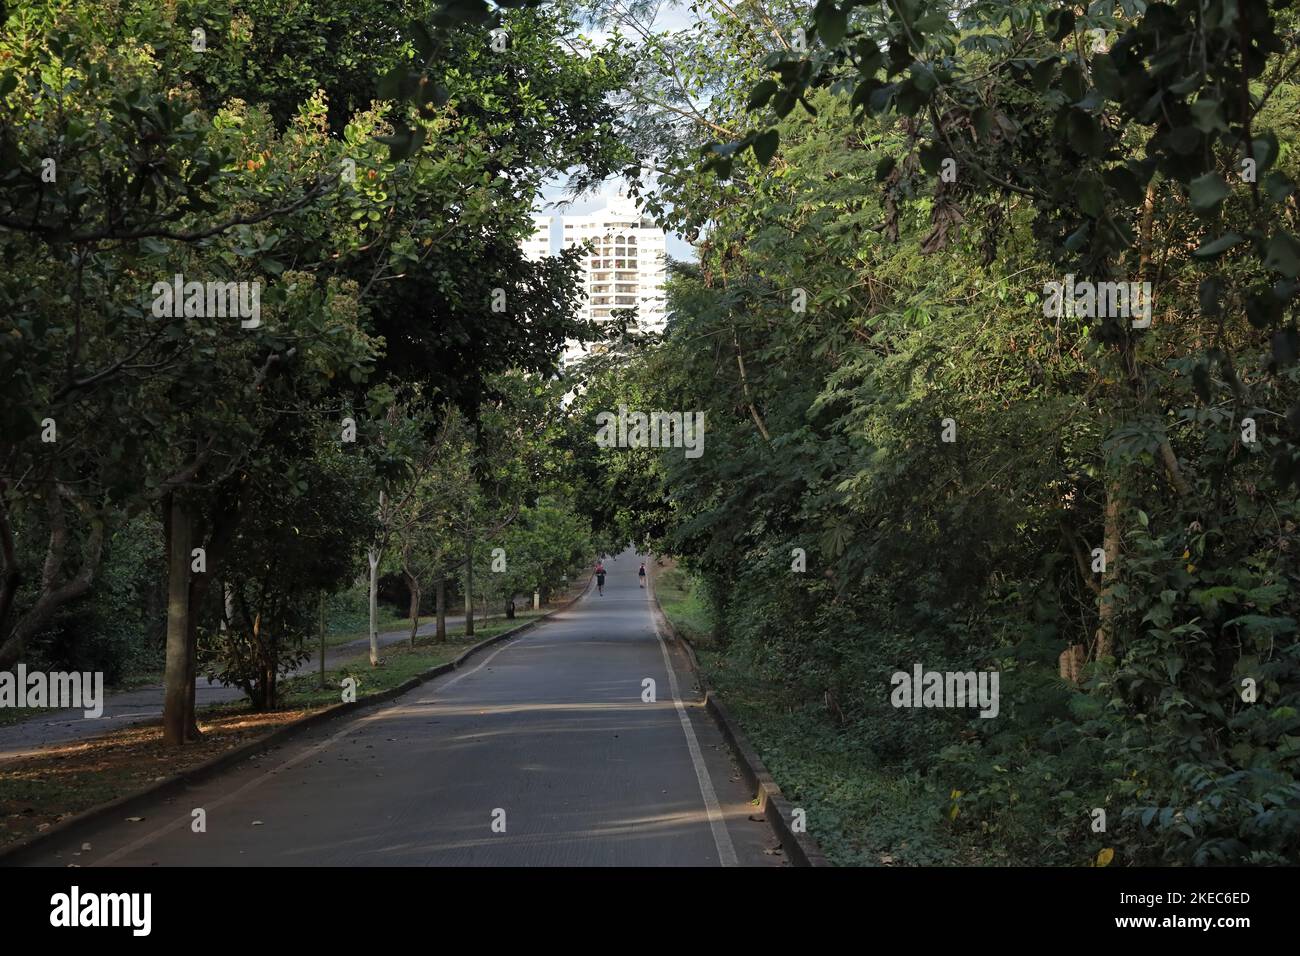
918 455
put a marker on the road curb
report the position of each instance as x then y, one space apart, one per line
801 849
70 826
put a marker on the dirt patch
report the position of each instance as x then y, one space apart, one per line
37 792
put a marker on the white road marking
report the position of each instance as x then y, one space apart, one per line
721 838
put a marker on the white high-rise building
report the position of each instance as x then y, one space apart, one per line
538 245
623 268
626 264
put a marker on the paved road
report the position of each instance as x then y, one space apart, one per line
546 732
145 703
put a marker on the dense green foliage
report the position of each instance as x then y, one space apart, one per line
254 144
953 460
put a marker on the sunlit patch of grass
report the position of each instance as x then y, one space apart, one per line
682 603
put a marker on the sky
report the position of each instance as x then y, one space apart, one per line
673 15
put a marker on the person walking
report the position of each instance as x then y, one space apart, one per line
641 574
600 577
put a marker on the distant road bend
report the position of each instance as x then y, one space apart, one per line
540 752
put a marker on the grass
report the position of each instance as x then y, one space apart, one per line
138 679
860 813
682 603
398 663
390 621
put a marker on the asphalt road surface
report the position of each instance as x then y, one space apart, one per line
539 752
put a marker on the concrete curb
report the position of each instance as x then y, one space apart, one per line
801 849
64 828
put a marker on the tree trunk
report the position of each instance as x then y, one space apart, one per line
1104 644
322 640
1072 660
198 587
440 594
51 595
228 603
415 606
469 588
177 670
373 554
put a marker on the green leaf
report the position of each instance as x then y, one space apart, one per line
1207 192
1072 83
1283 255
1278 186
908 98
1207 116
1106 77
764 146
923 78
1075 241
762 93
1262 309
1091 196
1059 23
831 22
1041 75
1217 246
1085 133
1265 149
931 155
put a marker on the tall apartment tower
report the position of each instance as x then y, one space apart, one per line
538 245
626 264
624 267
